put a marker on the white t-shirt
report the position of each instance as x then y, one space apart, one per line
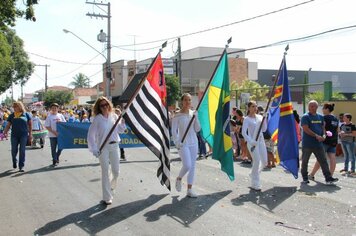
52 121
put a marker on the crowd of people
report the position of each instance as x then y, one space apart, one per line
320 134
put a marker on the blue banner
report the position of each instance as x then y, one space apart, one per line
74 135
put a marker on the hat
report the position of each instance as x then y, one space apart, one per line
54 105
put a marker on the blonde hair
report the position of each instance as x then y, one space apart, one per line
19 105
96 108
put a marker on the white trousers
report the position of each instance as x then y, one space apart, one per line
188 155
259 161
109 155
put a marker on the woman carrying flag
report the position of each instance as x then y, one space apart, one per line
103 121
189 148
257 148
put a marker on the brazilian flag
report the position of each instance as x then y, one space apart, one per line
214 116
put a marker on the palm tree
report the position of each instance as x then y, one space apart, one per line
80 81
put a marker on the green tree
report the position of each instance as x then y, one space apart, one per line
15 67
6 63
9 11
60 97
80 81
173 89
354 96
319 96
256 91
8 101
338 96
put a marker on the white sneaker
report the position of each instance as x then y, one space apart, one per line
113 183
178 185
191 193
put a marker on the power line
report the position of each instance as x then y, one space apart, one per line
63 61
142 49
75 68
225 25
304 38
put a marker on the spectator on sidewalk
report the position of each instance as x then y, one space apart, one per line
347 136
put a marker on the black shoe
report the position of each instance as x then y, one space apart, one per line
305 181
106 203
14 165
54 163
21 170
331 180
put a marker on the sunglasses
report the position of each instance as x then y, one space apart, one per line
104 105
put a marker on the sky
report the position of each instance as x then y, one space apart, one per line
143 21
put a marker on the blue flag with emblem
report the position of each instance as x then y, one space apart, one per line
281 124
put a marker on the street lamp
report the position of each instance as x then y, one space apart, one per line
108 62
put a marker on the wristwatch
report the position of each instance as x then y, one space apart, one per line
324 136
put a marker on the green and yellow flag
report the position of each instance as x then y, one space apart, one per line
214 116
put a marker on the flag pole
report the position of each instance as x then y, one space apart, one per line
132 97
206 89
271 94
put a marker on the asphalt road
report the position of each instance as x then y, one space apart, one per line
65 200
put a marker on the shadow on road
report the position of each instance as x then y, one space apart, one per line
7 173
95 219
186 210
318 187
268 199
51 168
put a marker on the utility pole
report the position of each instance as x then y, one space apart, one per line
108 47
12 92
46 87
179 62
134 43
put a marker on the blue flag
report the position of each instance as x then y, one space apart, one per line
281 124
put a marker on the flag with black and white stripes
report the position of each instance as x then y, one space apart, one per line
147 116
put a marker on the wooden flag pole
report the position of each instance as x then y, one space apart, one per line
131 99
271 94
206 89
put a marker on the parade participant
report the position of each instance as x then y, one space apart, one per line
85 119
51 125
331 125
187 149
104 119
250 128
312 142
347 136
21 130
37 125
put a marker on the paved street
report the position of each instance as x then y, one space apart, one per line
65 200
